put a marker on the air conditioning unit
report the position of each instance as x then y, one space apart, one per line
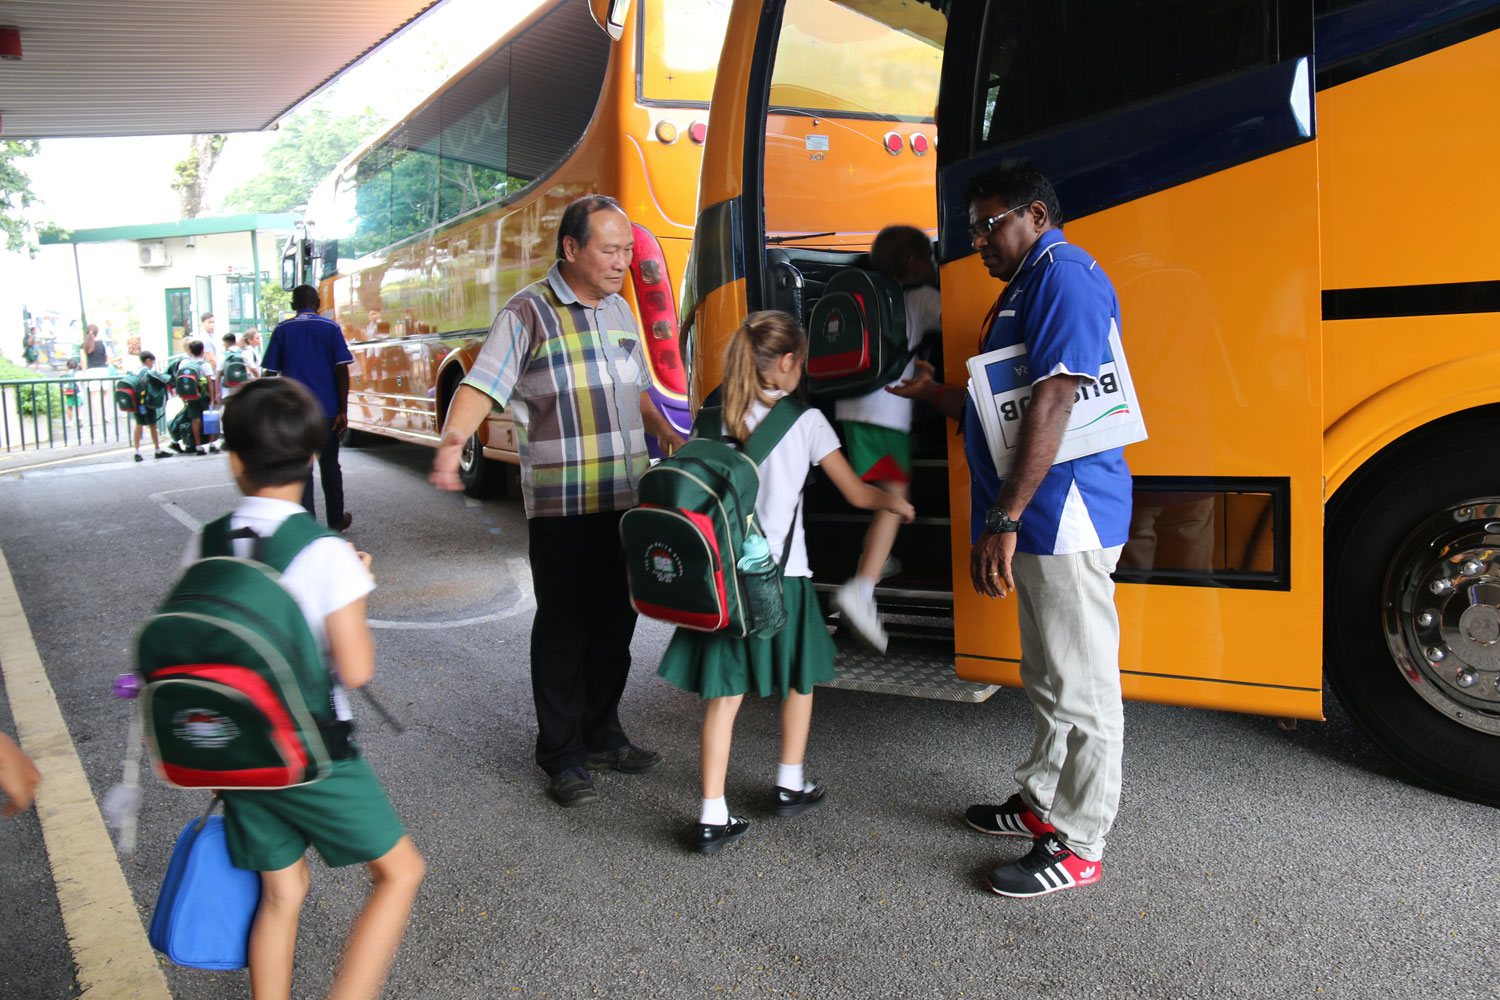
153 254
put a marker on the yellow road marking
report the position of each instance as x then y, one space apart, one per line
114 960
64 461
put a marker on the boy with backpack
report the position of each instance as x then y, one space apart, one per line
150 389
197 385
236 369
272 432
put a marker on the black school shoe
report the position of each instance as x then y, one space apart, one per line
628 759
572 787
710 838
790 802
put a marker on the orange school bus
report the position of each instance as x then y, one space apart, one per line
420 236
1319 493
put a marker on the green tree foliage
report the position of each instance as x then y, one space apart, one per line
33 399
15 194
307 149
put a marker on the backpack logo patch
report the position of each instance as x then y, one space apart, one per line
204 728
663 564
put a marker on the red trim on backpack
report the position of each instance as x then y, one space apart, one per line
702 622
255 687
254 777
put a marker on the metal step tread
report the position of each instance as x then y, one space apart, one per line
912 669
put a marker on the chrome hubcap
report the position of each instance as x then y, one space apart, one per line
470 452
1442 612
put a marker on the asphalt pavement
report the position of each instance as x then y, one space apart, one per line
1247 861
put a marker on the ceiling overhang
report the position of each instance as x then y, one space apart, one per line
165 67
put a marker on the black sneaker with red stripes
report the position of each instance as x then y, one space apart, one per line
1048 867
1012 818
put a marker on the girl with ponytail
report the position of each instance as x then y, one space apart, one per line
762 364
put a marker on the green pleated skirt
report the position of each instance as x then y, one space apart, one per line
714 665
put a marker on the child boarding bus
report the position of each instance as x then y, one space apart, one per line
1320 490
420 236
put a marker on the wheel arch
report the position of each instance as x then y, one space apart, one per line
1445 391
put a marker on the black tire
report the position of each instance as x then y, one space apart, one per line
482 477
1399 527
352 438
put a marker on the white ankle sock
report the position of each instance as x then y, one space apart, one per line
715 812
866 588
790 776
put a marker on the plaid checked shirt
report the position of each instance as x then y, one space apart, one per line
571 376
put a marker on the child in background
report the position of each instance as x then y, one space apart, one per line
877 428
272 431
154 386
763 363
70 392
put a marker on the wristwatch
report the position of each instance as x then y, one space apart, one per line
999 522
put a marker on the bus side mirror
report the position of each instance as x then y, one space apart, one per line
330 249
288 273
610 15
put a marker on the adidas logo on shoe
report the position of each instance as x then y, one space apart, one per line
1012 818
1048 867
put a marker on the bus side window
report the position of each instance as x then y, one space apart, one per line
1100 57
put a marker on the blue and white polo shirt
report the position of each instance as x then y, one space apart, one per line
1062 306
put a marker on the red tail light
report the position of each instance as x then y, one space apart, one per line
892 142
918 143
653 295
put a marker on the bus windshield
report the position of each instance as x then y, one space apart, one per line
832 60
679 53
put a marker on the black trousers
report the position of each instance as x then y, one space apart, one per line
580 638
333 480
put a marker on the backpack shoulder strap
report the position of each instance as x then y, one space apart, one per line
768 434
215 540
709 424
295 534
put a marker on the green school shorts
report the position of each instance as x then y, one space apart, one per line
146 417
346 816
878 453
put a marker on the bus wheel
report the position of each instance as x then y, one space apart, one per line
1412 605
482 477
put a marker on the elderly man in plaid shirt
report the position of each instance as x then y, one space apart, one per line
564 355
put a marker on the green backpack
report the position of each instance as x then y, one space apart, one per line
236 372
856 336
130 392
236 692
154 387
186 372
683 544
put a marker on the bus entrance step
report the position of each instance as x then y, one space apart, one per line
910 668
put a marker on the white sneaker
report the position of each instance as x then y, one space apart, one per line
891 567
858 615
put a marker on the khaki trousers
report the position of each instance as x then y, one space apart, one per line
1070 664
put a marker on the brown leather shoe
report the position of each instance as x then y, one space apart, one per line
344 524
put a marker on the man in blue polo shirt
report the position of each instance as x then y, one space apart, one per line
310 348
1049 532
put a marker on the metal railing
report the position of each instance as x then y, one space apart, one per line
37 413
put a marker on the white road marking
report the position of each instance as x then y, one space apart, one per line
113 958
520 571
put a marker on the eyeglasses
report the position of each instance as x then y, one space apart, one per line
984 227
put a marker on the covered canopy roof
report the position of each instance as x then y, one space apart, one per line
162 67
203 226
